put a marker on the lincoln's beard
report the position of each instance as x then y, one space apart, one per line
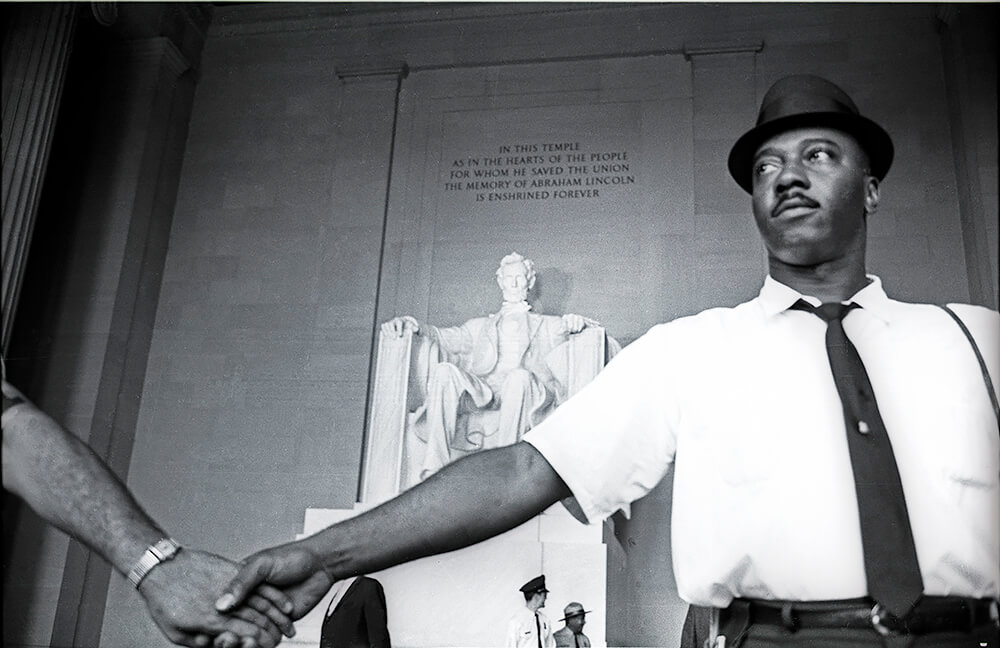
515 297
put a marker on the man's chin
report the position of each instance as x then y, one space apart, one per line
800 255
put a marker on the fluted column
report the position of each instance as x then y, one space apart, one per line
724 86
129 201
35 56
368 111
966 47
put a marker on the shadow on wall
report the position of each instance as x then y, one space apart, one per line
552 290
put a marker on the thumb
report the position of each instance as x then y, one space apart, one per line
251 574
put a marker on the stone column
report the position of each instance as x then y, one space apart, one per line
725 97
127 209
35 56
366 136
969 50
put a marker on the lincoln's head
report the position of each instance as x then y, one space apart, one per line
516 277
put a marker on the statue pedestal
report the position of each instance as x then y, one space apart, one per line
466 597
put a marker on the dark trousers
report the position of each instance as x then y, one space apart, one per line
740 632
760 636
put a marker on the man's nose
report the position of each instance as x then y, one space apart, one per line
792 174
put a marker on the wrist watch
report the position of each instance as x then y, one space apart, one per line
155 554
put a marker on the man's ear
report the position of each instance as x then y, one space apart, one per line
871 195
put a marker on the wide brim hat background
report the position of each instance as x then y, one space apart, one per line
575 613
803 101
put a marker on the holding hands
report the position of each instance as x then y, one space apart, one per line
179 595
292 567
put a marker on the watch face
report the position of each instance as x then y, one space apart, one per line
166 547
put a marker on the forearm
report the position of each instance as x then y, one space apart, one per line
63 481
466 502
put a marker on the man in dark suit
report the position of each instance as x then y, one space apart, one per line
356 617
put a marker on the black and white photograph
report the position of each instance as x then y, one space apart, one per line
500 324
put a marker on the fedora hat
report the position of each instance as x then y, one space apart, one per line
574 609
805 100
536 584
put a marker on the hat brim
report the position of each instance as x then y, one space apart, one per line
872 138
575 614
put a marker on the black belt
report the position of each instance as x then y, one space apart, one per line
931 614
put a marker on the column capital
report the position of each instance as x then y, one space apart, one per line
362 71
739 48
161 49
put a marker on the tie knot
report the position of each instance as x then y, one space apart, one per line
827 312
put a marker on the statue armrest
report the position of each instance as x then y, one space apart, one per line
425 352
399 386
578 360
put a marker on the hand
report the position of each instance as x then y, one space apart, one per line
576 323
179 595
398 325
293 568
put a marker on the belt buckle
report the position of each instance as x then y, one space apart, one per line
878 616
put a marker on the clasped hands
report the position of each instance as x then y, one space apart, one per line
179 595
259 597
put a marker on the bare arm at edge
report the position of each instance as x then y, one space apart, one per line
68 485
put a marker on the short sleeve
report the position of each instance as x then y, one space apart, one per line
614 440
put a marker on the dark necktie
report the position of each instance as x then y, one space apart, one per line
538 629
890 556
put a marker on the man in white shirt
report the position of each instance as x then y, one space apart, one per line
746 404
529 627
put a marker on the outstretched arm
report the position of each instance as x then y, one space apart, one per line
469 500
67 484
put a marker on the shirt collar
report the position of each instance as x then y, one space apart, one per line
775 297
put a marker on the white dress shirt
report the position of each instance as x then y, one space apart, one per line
522 631
742 402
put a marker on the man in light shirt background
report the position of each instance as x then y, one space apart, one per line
529 627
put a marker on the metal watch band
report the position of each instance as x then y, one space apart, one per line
155 554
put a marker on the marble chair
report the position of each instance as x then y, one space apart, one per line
395 444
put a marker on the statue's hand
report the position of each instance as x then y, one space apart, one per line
576 323
398 325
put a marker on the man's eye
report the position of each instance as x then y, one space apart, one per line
764 167
820 155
